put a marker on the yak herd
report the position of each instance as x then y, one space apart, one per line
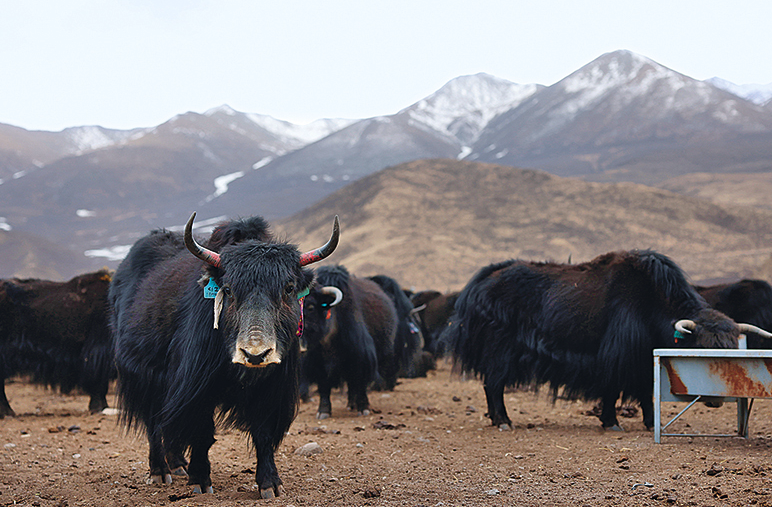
234 329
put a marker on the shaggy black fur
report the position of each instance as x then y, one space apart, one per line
57 331
412 362
352 341
748 301
434 317
175 370
585 329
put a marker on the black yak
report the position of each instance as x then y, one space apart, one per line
412 361
747 300
433 310
58 333
213 330
350 325
587 330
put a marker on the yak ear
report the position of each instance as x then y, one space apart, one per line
204 280
306 278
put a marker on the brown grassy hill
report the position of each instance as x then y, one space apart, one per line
748 189
433 223
27 256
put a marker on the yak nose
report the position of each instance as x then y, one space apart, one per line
256 359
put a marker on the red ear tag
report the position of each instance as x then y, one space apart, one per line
329 314
299 332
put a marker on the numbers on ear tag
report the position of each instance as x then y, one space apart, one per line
211 289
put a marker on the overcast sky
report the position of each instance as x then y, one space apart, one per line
136 63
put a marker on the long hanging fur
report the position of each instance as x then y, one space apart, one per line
586 330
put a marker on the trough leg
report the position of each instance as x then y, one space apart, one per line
494 395
200 468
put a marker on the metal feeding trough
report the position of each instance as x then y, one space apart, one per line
692 375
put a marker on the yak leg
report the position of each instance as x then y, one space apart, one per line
608 413
494 395
159 469
98 401
175 458
325 406
5 407
647 408
200 468
266 476
357 398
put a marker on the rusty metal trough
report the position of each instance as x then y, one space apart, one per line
692 375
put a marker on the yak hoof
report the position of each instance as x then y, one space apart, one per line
180 472
364 412
272 492
322 415
159 479
616 427
505 427
197 489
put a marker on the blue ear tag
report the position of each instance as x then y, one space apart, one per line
211 289
303 294
678 335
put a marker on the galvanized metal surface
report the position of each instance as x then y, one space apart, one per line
690 375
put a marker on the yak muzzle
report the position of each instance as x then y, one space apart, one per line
256 353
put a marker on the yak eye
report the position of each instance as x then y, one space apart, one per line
289 289
227 291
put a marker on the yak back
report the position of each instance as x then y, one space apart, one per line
582 326
748 301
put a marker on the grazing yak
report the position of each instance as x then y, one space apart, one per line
412 361
587 330
206 328
748 301
57 331
433 310
350 325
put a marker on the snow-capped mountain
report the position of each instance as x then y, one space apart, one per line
619 100
756 93
463 107
621 117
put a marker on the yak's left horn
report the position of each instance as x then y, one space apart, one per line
685 326
749 328
320 253
199 251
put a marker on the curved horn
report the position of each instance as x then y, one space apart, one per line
334 291
320 253
202 253
685 326
418 309
749 328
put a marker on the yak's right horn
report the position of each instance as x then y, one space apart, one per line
199 251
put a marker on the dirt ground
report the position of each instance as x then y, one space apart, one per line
428 443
